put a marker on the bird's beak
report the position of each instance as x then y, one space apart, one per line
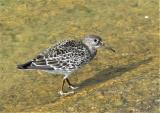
108 47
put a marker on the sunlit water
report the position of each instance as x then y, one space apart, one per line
121 82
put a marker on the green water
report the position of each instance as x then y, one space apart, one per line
124 82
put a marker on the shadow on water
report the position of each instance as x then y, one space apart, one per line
112 72
104 75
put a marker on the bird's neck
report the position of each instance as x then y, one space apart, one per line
92 49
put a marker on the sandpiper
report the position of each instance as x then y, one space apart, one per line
66 57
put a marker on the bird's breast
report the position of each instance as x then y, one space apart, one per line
93 53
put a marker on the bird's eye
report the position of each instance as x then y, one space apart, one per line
95 40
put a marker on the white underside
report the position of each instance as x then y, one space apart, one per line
65 73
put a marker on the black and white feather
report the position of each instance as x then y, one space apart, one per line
66 56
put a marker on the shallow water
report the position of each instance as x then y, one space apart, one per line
122 82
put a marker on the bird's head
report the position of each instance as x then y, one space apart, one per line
95 41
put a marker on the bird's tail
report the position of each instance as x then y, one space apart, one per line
25 65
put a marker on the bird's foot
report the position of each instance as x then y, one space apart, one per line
73 87
65 94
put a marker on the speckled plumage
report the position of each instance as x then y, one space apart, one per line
65 57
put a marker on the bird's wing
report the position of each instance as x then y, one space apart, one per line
62 55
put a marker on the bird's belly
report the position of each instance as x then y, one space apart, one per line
59 71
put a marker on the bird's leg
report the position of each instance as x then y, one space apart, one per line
62 92
68 82
70 85
63 84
